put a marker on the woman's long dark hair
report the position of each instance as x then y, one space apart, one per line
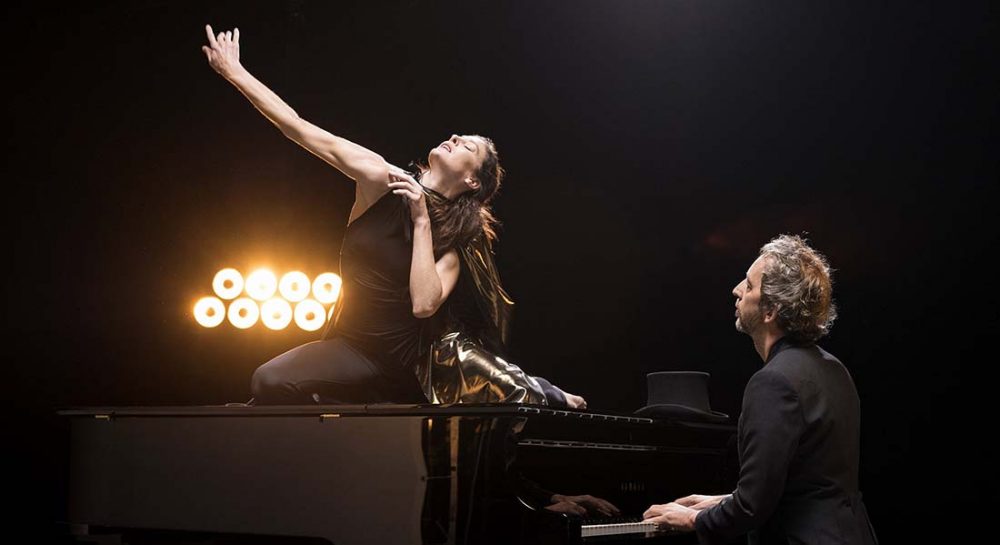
456 222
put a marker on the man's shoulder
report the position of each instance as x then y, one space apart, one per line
785 367
795 353
803 365
771 377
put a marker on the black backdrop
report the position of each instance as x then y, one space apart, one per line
651 147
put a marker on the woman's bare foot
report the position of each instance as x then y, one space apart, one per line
575 401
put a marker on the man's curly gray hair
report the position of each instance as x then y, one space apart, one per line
797 282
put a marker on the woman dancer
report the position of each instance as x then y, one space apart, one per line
400 261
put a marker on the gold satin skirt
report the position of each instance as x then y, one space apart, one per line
459 370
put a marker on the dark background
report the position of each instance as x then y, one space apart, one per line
651 149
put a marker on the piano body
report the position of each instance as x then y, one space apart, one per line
380 474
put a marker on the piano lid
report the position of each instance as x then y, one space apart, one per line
381 409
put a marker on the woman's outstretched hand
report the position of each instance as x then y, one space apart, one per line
223 51
403 184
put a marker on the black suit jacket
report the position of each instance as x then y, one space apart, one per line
798 442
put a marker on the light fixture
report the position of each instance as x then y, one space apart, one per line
294 286
209 311
261 284
326 288
243 313
228 283
276 313
310 315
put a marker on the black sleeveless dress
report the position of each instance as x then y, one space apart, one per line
372 344
375 312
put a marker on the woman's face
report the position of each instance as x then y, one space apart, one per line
459 156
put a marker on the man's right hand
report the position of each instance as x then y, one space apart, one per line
699 501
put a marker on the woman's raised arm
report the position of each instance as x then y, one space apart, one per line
356 162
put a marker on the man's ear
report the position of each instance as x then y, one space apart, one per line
771 314
472 183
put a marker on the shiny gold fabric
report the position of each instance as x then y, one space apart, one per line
493 301
460 370
464 364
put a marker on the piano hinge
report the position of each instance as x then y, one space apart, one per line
103 417
324 417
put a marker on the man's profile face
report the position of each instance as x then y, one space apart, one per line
748 313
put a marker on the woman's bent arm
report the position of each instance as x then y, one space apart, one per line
430 282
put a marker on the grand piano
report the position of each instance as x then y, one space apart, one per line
380 474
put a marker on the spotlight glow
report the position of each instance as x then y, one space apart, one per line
276 313
228 283
209 311
310 315
294 286
326 288
243 313
261 284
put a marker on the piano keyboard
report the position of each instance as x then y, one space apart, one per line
620 529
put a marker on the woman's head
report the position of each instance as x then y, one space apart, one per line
467 164
467 171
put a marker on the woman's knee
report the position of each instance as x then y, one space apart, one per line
271 381
263 382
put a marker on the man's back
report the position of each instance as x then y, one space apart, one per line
821 502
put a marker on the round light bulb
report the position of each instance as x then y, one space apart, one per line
276 313
228 283
209 311
261 284
243 313
310 315
294 286
326 288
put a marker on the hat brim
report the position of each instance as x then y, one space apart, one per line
680 412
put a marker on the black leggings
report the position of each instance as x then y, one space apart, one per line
331 371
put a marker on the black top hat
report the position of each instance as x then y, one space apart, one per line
681 395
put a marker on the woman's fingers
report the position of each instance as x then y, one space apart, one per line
407 182
396 172
228 37
407 194
403 188
396 176
211 36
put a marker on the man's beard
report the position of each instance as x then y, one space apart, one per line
747 322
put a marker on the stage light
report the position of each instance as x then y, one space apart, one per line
209 311
294 286
243 313
310 315
261 284
228 283
326 288
276 313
